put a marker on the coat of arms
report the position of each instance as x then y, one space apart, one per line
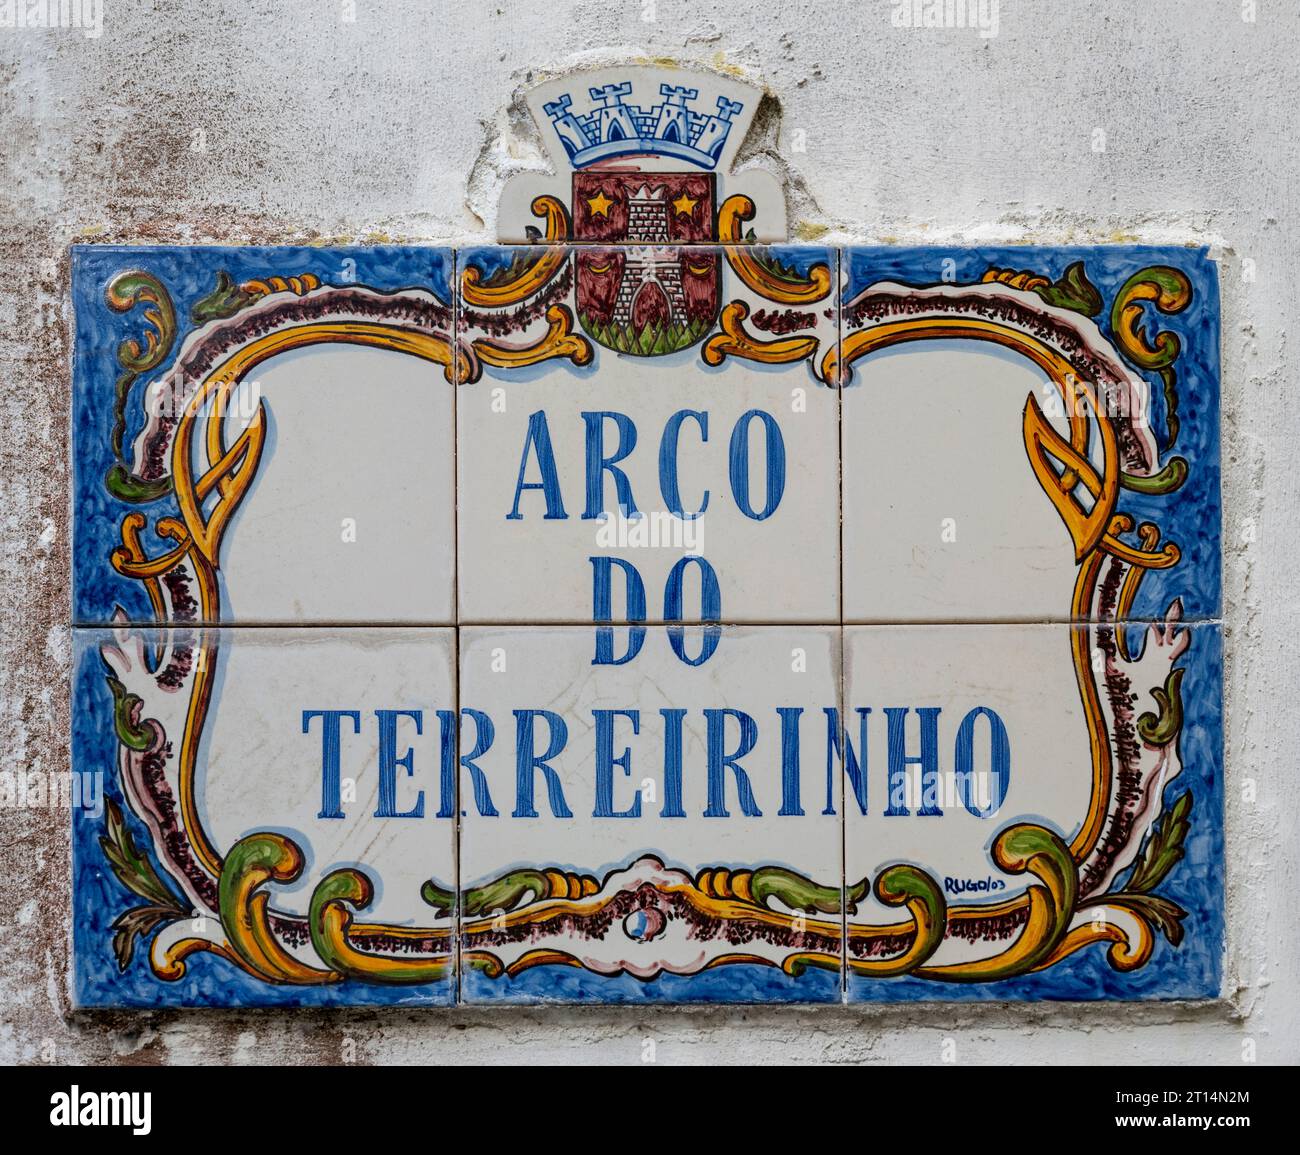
646 162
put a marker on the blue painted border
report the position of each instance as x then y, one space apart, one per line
733 984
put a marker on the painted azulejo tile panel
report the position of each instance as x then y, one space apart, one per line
647 814
263 435
469 626
648 432
1063 819
1037 445
275 820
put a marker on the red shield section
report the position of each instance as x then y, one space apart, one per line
646 297
666 208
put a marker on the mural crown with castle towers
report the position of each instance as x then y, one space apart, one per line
613 127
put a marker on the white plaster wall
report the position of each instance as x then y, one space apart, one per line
401 125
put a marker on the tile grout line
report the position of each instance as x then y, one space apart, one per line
772 623
457 997
456 994
842 679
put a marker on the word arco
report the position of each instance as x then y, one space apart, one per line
538 453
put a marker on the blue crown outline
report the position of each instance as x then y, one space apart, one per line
615 128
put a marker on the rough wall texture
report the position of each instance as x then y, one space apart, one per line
194 120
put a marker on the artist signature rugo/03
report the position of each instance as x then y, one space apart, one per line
971 885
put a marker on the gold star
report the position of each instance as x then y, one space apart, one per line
600 205
685 205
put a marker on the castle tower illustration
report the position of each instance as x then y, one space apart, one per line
614 127
651 287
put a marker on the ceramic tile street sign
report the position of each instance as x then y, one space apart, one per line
642 612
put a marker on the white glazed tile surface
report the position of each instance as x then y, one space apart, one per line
943 517
350 517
